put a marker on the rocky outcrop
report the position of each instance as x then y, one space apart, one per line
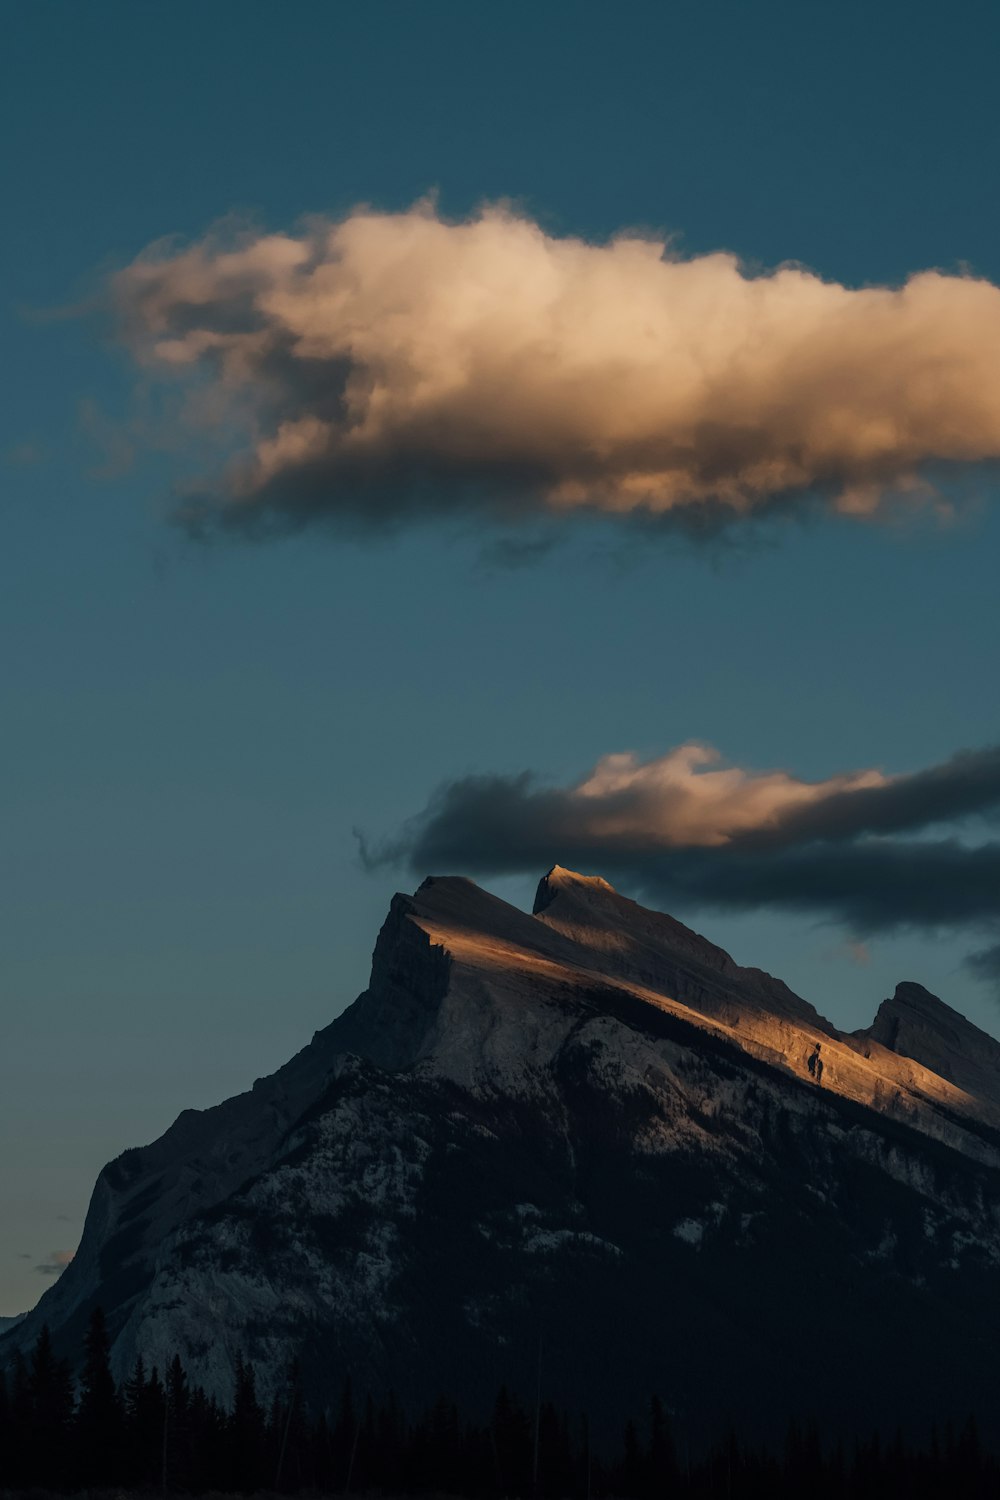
916 1024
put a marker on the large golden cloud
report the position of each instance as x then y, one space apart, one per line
398 363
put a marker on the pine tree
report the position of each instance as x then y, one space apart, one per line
6 1433
99 1417
632 1470
19 1407
346 1433
176 1466
246 1432
145 1416
390 1439
50 1400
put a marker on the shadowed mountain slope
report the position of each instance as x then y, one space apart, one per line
586 1127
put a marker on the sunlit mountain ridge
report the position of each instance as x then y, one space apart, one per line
587 1127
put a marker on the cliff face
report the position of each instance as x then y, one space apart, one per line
916 1024
587 1126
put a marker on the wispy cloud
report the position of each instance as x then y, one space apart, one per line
384 367
859 849
55 1263
24 455
985 965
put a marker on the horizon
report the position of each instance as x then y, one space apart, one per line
707 600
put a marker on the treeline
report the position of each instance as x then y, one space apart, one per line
161 1432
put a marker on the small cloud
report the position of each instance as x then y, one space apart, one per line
56 1263
507 554
112 441
854 952
985 966
23 455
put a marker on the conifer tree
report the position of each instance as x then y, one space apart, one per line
175 1465
246 1432
287 1425
99 1416
632 1461
345 1438
50 1392
661 1465
512 1438
6 1433
19 1407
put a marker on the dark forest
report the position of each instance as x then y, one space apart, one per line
156 1432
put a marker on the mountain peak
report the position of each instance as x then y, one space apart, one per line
457 969
913 1007
559 878
916 1024
588 909
909 992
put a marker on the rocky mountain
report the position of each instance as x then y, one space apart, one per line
584 1136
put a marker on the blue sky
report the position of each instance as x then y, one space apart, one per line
192 732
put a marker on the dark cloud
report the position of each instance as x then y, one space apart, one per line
497 825
871 886
729 840
967 784
509 553
55 1264
985 965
